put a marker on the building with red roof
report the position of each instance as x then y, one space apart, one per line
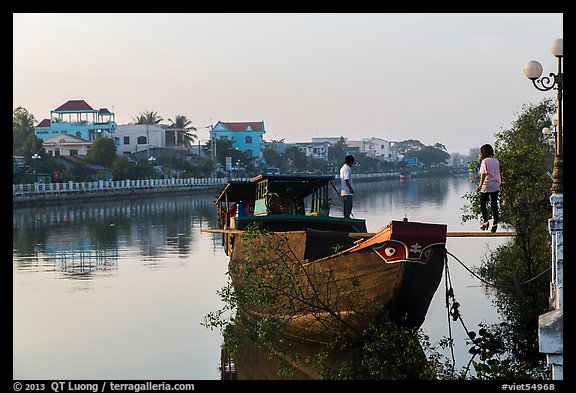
79 119
247 136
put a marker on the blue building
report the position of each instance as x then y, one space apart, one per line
247 136
77 118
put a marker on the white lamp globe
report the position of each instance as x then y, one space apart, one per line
533 70
557 48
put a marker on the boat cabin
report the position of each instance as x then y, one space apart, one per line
282 202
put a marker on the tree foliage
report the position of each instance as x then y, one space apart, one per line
525 157
148 117
519 267
22 132
102 152
187 138
429 155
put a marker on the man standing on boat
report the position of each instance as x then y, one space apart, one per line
347 192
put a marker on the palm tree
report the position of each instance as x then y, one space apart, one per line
185 138
148 117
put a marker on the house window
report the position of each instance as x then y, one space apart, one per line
126 140
141 140
248 140
74 152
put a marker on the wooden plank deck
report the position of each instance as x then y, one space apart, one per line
370 234
481 234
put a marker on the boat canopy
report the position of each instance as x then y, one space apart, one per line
278 202
284 185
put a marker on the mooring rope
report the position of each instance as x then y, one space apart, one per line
452 306
449 291
492 284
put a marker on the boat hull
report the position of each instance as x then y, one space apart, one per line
339 283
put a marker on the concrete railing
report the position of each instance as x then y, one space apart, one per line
37 189
113 185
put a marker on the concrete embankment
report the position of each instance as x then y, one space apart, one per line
79 197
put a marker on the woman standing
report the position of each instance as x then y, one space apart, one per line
489 186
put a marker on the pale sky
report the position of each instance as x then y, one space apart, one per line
454 79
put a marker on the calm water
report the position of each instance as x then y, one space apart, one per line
118 290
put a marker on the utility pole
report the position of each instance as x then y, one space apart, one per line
212 139
148 140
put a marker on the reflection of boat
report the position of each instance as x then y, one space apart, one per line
264 361
289 358
338 272
405 174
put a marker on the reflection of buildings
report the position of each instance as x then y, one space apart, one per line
113 210
79 236
82 262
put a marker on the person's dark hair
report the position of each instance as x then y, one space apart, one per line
486 151
349 159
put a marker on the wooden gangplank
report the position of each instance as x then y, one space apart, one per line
481 234
370 234
453 234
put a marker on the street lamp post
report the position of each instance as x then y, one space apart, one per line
533 71
551 324
151 161
35 157
546 130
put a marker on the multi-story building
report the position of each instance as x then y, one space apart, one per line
314 149
247 136
134 138
379 148
330 139
78 119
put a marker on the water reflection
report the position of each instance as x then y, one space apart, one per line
81 263
132 280
421 190
392 356
79 240
284 358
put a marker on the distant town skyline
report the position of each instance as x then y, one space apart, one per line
453 78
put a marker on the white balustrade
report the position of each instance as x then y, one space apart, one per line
110 185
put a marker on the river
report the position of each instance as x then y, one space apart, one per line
119 289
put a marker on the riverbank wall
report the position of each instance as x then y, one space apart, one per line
41 194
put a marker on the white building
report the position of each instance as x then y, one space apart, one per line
330 139
134 138
314 149
379 148
66 145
